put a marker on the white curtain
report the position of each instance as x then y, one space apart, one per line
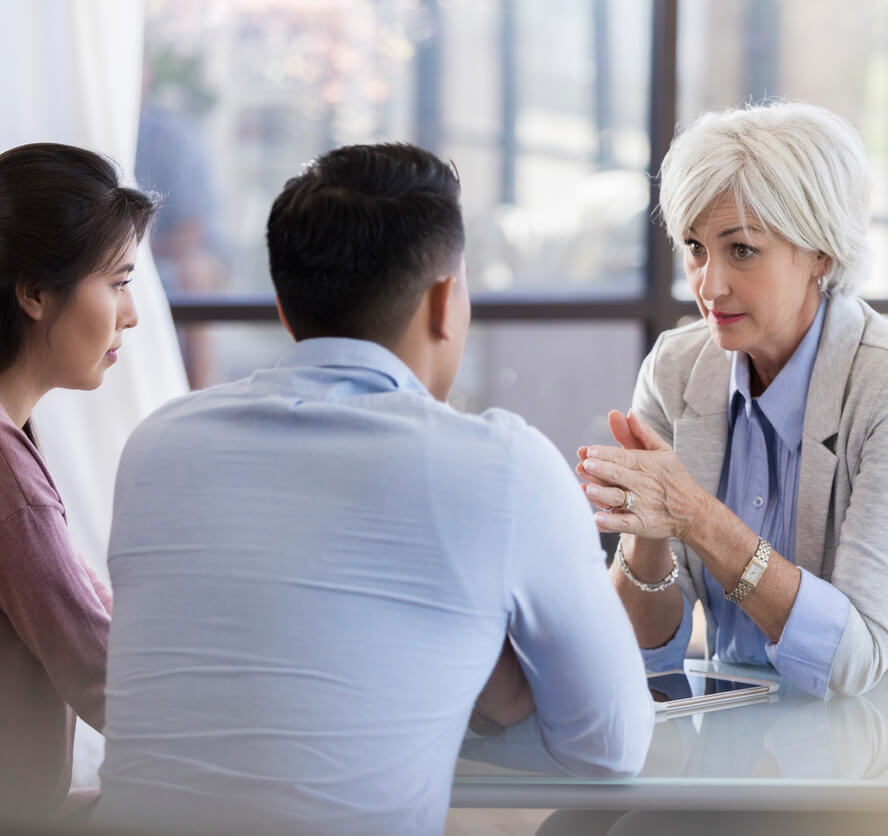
70 71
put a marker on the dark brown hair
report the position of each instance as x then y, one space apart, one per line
356 239
63 215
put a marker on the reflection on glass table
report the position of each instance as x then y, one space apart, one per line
793 752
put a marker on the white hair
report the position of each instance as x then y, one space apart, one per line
799 170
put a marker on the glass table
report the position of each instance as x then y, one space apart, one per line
791 752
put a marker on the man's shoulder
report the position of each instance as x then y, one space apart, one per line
535 458
158 429
199 402
242 401
500 426
497 420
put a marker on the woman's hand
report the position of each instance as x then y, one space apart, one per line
667 500
622 433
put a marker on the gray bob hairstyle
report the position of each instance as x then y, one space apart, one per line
797 169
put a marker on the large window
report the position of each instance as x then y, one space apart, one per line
556 114
545 119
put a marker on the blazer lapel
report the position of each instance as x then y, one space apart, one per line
841 335
701 434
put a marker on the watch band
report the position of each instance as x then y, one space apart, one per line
753 572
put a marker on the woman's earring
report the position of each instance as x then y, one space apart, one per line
821 284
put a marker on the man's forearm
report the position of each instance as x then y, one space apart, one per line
506 699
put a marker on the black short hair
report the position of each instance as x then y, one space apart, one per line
63 215
356 239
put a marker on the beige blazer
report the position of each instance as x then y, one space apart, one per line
842 516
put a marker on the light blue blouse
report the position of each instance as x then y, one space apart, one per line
760 483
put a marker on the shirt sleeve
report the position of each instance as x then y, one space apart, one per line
98 585
571 634
53 606
670 656
516 747
806 649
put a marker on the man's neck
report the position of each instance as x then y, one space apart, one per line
422 355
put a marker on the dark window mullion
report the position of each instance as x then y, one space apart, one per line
663 114
187 307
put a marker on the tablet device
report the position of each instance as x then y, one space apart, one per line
691 690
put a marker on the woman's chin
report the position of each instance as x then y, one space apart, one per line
86 384
727 342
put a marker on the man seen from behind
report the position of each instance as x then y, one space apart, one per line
316 569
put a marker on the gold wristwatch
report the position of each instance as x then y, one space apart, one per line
753 572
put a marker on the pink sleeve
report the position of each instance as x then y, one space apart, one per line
98 585
55 607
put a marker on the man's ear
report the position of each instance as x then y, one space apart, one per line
32 300
281 317
440 304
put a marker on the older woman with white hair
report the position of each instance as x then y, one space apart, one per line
752 471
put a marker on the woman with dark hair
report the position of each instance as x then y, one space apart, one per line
68 237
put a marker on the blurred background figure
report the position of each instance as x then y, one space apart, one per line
173 158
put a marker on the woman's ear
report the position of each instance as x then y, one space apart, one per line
32 300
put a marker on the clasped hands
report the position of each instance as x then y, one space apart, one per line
667 500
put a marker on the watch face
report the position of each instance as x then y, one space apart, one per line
753 573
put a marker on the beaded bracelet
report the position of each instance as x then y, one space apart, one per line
648 587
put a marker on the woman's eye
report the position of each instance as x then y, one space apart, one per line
695 248
122 284
742 251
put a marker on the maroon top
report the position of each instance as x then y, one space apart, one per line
54 618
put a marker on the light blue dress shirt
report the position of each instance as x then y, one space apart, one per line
314 570
760 483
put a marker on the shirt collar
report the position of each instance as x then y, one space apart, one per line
783 402
341 352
